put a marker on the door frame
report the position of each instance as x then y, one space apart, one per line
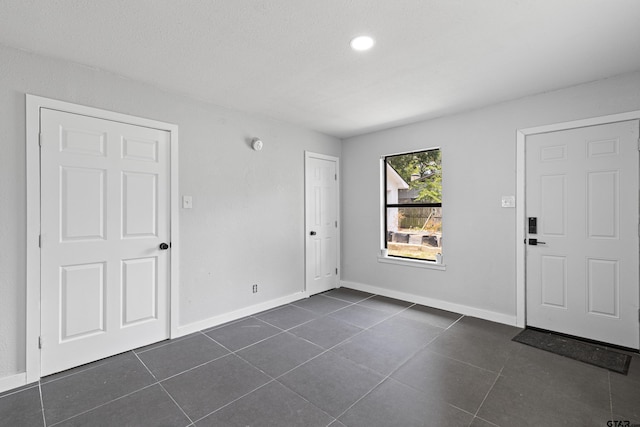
521 212
33 106
310 155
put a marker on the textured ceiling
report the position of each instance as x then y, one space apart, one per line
291 60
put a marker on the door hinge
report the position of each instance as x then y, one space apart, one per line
336 224
336 271
40 139
40 240
335 177
638 144
39 342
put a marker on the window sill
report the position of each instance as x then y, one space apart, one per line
411 263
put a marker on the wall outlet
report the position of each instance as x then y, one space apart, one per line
255 288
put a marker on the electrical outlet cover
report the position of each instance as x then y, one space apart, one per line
187 202
508 201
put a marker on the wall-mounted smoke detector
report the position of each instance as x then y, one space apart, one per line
257 144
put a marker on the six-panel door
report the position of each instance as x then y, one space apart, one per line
105 212
321 225
582 276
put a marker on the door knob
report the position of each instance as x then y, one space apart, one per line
313 233
164 246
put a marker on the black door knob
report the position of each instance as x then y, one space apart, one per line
313 233
164 246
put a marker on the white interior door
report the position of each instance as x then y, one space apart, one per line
582 278
104 216
321 207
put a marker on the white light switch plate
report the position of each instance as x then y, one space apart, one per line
187 202
508 201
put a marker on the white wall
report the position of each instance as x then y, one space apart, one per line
479 167
247 221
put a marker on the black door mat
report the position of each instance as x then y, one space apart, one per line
594 354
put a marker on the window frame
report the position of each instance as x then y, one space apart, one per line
384 255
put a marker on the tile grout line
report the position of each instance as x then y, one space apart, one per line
404 362
191 422
97 406
246 346
362 366
156 381
610 394
320 315
488 422
234 400
19 389
197 366
146 367
334 346
488 392
103 404
491 388
99 363
44 418
462 316
233 322
355 335
164 389
273 379
349 304
277 379
375 387
385 378
82 370
462 361
344 300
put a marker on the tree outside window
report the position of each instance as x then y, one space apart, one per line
413 203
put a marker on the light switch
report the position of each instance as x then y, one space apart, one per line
187 202
508 201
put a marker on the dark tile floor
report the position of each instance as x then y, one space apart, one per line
343 358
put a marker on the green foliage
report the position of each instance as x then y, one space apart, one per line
428 166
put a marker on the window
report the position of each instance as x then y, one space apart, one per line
413 205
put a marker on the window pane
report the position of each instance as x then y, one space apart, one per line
415 178
414 232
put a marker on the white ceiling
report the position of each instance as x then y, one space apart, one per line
291 60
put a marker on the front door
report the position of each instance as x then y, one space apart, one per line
105 234
321 207
582 217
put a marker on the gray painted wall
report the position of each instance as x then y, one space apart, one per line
247 221
479 167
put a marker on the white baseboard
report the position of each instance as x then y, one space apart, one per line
435 303
13 381
19 380
237 314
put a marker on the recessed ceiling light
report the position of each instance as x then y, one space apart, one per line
362 43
